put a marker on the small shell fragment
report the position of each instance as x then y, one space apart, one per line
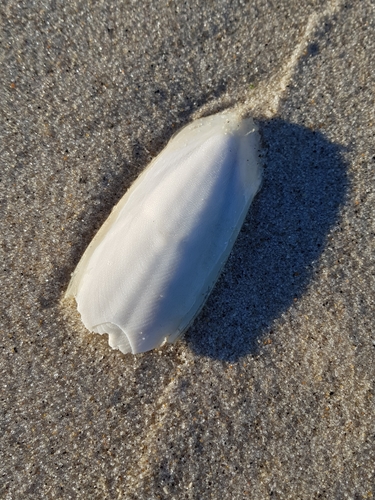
149 269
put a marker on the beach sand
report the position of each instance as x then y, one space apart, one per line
270 394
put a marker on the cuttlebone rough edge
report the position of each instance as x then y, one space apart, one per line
151 266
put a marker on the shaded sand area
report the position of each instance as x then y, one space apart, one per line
271 392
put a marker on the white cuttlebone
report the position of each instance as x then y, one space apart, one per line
149 269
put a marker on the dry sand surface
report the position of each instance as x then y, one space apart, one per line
271 392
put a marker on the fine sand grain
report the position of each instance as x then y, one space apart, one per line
271 392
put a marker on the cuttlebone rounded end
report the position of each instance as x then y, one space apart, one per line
117 338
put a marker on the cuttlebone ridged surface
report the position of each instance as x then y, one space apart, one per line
151 267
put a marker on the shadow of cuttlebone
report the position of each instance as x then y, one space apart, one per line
305 184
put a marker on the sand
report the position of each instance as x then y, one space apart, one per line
271 392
